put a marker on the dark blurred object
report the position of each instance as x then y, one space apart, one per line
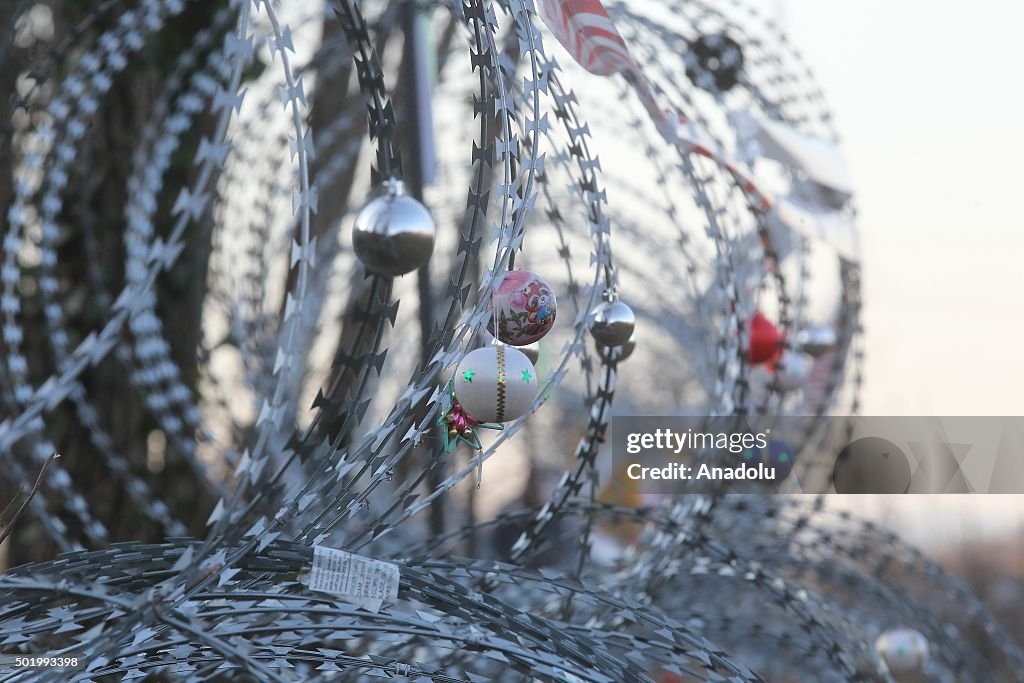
871 465
719 61
536 492
90 264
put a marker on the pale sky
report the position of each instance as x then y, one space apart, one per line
927 98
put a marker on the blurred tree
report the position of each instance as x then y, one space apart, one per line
90 265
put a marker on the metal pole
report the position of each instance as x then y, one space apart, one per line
419 153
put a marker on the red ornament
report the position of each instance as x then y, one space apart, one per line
765 341
460 421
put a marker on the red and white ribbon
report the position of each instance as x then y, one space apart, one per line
587 32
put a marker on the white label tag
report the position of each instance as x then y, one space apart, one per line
360 580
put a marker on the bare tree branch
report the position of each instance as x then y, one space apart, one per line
6 529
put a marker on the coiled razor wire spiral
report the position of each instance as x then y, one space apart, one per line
696 257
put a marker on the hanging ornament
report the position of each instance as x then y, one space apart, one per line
614 322
717 60
531 350
622 352
495 384
904 651
816 341
765 340
792 370
777 455
780 457
393 233
524 308
458 425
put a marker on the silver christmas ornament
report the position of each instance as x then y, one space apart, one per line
614 323
792 370
393 233
816 341
531 351
621 353
903 650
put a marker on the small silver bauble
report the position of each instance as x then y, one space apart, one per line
816 341
531 350
903 650
614 323
621 353
792 371
393 233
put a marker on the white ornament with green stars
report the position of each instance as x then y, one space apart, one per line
496 384
904 651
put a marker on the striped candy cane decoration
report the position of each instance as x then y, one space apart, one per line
584 28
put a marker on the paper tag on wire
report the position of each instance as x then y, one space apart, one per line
359 580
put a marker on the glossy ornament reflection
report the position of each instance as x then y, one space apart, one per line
621 352
393 233
614 323
816 341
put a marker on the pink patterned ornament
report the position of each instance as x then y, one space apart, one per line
524 304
